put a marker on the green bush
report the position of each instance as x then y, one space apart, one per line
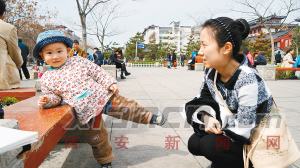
285 75
146 62
6 101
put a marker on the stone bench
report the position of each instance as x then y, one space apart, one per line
191 66
267 71
20 93
199 67
111 69
51 125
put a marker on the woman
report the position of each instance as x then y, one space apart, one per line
249 56
219 136
119 64
287 61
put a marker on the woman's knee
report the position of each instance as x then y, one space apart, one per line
194 145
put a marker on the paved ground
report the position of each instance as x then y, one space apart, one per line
163 90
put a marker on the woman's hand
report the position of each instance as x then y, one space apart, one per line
212 125
43 100
114 88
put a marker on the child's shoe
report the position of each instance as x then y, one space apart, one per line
158 119
108 165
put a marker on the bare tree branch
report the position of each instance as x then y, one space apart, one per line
290 7
96 5
266 9
102 20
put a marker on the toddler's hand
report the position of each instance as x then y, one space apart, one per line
114 88
43 100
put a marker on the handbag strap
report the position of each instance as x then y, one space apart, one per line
246 155
218 93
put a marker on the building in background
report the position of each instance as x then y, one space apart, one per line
69 33
196 32
179 35
282 39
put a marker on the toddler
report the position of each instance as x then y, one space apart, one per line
89 89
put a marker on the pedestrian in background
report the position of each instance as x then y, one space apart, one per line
90 57
76 51
194 53
199 59
278 57
105 61
24 52
119 64
260 59
10 54
174 59
297 63
182 59
168 57
249 56
98 56
287 61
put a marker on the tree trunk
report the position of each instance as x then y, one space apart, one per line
297 49
102 41
83 24
272 44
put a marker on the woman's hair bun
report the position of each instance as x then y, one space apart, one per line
244 28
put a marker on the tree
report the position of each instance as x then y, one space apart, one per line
102 18
287 7
245 44
108 49
296 39
131 46
192 45
29 24
261 45
84 9
169 46
155 51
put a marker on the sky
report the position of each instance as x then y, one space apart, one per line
139 14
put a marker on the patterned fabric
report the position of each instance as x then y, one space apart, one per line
247 96
81 84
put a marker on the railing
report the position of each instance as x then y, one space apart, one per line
146 65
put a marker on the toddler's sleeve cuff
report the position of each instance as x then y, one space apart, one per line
47 105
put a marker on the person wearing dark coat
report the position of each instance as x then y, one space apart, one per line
261 60
1 112
98 57
278 57
24 52
119 64
182 59
168 57
173 59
